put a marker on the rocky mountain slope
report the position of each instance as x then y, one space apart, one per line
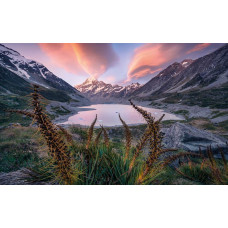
203 82
158 81
98 91
18 73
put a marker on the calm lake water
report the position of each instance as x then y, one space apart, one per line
107 115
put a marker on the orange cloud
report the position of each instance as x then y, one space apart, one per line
83 59
198 47
150 58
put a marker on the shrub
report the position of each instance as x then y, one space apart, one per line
96 161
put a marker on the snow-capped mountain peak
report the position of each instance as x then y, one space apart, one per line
91 79
31 71
185 63
99 90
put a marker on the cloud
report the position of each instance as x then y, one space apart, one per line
198 47
82 59
150 58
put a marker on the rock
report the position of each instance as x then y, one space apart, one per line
189 138
13 125
19 177
219 119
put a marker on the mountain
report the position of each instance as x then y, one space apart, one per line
99 91
158 81
17 73
203 81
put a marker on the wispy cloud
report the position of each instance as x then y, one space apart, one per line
198 47
150 58
82 59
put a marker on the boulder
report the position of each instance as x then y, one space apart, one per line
187 137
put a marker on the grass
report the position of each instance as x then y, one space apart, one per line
16 102
206 124
169 123
97 161
60 110
182 112
82 132
209 126
224 125
213 98
198 174
18 146
218 114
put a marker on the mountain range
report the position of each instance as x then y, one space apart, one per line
99 91
209 71
18 73
203 82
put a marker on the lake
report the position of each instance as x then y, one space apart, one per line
107 115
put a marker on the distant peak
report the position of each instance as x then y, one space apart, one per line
186 62
90 79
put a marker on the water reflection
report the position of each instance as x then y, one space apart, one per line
107 115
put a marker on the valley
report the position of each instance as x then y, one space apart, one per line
193 95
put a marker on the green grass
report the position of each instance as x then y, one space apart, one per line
213 98
218 114
18 148
168 123
209 126
167 177
198 174
13 102
61 110
182 112
82 132
224 125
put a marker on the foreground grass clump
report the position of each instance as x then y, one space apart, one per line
207 170
18 146
96 160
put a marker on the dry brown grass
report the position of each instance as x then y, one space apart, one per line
127 167
57 147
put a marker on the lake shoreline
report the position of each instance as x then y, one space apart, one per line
61 120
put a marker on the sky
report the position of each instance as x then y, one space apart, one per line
115 63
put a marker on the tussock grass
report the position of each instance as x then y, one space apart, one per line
207 170
18 148
96 161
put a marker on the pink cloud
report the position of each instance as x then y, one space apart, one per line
150 58
198 47
81 59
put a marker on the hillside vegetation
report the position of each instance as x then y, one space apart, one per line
91 160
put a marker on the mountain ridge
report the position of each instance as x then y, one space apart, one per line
200 73
99 91
15 68
157 82
31 70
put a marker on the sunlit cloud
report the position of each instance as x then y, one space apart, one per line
151 58
82 59
198 47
